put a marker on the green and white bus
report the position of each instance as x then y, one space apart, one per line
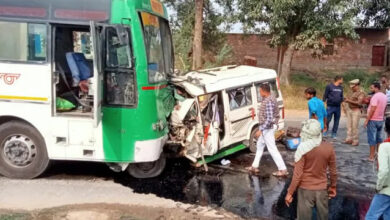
84 80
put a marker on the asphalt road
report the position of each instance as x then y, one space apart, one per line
207 194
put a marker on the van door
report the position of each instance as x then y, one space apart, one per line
212 122
238 111
98 75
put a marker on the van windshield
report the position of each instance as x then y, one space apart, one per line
158 43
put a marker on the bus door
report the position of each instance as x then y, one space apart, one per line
98 76
77 88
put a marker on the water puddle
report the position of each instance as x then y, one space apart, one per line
245 195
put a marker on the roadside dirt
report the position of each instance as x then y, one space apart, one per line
116 211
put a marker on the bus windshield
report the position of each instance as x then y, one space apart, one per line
158 43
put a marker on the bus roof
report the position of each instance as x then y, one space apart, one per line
212 80
71 11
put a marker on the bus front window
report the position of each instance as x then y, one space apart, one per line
158 43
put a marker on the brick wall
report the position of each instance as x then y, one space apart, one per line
347 54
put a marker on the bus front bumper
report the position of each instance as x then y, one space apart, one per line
149 150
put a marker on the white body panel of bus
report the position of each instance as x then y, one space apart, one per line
29 96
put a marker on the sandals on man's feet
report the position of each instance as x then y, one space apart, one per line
280 174
253 169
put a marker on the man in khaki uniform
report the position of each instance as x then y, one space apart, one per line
353 104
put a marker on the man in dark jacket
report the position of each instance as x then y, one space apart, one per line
333 97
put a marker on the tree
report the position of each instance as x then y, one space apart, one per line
376 13
296 24
198 31
183 26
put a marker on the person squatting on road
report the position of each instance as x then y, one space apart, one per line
374 120
268 120
353 106
312 160
316 107
333 97
380 204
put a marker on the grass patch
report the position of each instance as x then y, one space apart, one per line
15 216
293 95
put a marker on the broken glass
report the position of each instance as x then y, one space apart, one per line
240 97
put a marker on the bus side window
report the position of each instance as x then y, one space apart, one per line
23 41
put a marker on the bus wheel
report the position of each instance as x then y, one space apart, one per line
253 141
23 152
147 169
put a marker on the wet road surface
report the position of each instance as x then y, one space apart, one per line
235 190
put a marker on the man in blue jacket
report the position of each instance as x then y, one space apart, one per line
316 107
333 97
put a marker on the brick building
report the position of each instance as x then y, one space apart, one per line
370 52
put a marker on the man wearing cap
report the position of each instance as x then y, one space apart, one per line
353 105
313 158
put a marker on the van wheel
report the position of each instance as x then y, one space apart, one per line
147 169
253 140
23 152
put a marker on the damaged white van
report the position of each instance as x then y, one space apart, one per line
216 111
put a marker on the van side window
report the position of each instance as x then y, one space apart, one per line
23 41
274 90
240 97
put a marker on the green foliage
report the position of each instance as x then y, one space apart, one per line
293 95
223 55
306 80
182 24
15 216
302 23
377 12
365 78
296 24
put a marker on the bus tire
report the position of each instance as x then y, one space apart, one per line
23 153
147 169
253 140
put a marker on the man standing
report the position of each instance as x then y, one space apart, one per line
353 109
268 120
374 120
312 160
384 84
333 97
380 204
316 107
